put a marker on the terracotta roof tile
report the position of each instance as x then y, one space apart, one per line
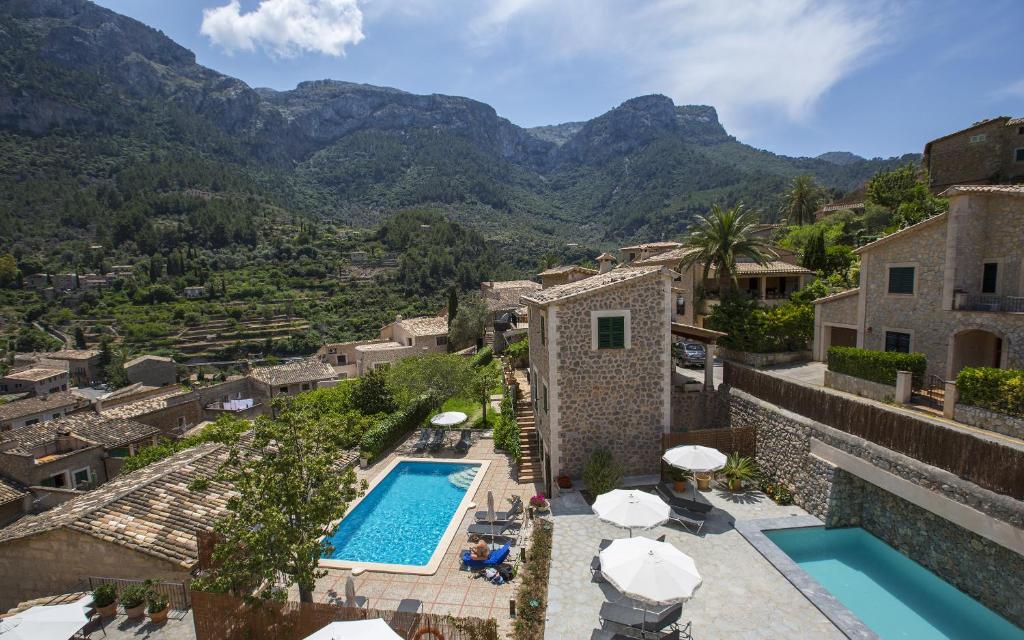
85 426
774 267
425 325
554 271
587 285
1006 189
669 244
39 404
142 406
668 257
307 370
34 374
11 491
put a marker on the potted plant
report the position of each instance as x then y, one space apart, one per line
157 608
703 480
539 503
564 482
364 459
133 599
679 478
104 598
737 470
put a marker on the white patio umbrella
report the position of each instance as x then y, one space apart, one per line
631 509
490 506
695 458
55 622
655 573
448 419
373 629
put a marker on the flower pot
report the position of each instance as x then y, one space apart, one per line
735 484
703 481
541 508
679 486
564 482
160 616
136 612
108 611
364 462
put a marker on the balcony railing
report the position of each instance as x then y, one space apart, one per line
988 302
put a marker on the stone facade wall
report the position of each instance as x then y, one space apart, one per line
540 373
368 360
614 398
761 360
61 561
990 420
24 469
11 511
859 386
840 310
684 287
958 160
173 420
152 373
693 410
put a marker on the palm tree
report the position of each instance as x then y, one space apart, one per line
722 236
801 200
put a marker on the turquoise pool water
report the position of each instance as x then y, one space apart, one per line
893 595
403 518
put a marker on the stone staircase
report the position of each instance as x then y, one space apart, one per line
529 447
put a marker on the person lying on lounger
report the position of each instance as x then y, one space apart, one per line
479 550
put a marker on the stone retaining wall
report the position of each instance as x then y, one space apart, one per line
990 420
859 386
703 409
761 360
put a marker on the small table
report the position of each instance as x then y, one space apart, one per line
448 419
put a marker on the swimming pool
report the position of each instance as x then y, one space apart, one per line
404 519
890 593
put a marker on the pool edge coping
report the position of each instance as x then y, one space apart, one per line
443 543
837 613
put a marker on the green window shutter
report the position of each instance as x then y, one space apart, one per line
611 332
542 336
545 398
901 279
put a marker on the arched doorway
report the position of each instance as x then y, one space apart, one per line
976 348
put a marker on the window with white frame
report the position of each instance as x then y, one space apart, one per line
81 477
901 279
610 330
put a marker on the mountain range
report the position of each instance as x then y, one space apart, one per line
88 96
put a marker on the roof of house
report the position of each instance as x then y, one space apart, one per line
512 284
998 189
305 370
425 325
839 206
38 404
606 256
142 406
570 268
504 296
588 285
914 228
11 490
838 296
74 354
668 257
110 433
1006 120
668 244
34 374
147 358
771 268
386 345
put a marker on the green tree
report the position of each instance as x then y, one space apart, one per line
720 238
815 254
79 338
8 270
904 192
453 303
470 322
290 490
372 394
439 374
801 199
479 387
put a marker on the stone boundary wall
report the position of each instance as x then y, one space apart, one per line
859 386
692 410
762 360
990 420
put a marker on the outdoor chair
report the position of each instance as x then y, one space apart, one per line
514 512
495 558
462 446
437 441
695 506
631 621
685 521
424 441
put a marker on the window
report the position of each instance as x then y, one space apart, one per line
81 477
55 416
901 280
1018 155
545 388
896 341
32 421
305 386
542 330
680 306
990 277
1020 131
980 137
283 390
442 341
611 332
120 452
57 480
181 421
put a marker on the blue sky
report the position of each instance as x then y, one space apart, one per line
791 76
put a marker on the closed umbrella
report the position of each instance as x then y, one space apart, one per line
631 509
373 629
490 506
695 458
56 622
350 592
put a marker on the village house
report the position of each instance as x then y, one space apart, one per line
35 380
950 287
83 364
64 281
37 281
152 371
987 152
502 297
194 292
292 378
400 339
555 276
172 410
29 411
344 356
15 500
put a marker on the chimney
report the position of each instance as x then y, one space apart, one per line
398 317
604 262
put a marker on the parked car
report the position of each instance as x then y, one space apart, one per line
691 354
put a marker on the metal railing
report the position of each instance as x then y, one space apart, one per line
177 594
988 302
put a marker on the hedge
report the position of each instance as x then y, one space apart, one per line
482 358
1000 390
390 429
877 366
506 429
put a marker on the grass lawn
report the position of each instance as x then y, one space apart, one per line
472 409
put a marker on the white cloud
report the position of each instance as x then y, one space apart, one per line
286 28
740 56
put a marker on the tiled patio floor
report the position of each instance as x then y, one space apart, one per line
452 590
178 627
742 595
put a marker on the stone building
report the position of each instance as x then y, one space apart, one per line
950 287
400 339
35 380
152 371
292 378
15 500
987 152
173 410
83 365
345 356
29 411
564 274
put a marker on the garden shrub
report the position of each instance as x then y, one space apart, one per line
379 437
1000 390
751 328
602 473
532 594
506 429
876 366
482 358
519 353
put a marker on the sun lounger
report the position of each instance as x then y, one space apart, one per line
683 503
684 520
462 446
437 441
636 623
495 558
424 441
492 529
514 512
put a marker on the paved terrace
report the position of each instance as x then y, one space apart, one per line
742 595
452 590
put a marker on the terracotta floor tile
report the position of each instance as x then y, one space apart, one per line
451 595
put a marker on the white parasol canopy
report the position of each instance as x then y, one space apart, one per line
373 629
652 572
631 509
54 622
448 419
695 458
